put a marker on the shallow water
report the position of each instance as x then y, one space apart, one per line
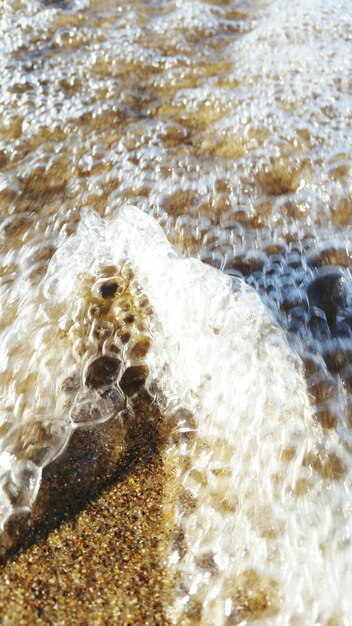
229 123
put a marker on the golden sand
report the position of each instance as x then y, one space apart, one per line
93 553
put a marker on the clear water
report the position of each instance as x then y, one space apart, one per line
229 124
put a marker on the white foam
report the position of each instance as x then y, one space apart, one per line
218 353
231 366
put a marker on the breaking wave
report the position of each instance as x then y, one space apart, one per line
258 501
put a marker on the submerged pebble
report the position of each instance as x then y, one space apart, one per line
328 291
102 371
133 379
108 290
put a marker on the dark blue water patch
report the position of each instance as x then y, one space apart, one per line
309 291
59 4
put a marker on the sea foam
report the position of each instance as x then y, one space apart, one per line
258 502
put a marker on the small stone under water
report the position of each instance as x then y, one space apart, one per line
108 290
133 379
140 349
102 371
328 291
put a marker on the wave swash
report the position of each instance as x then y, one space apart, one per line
257 505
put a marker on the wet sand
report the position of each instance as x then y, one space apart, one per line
92 550
102 566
